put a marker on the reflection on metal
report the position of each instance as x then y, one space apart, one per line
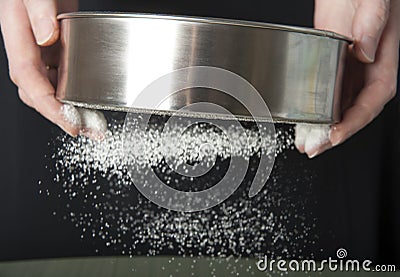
109 58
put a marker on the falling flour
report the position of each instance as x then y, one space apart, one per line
102 201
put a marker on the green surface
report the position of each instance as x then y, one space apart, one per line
149 266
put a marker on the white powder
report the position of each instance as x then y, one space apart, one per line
85 119
71 115
311 136
149 147
101 202
93 120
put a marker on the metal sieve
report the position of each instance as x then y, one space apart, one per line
107 59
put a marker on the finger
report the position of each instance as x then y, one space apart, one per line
369 22
312 139
71 115
25 98
94 124
92 134
380 86
317 140
367 106
42 94
26 68
301 131
326 16
42 15
320 149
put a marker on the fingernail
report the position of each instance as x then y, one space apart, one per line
300 148
319 150
368 47
72 134
44 30
313 155
335 138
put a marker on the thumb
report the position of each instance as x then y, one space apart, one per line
369 22
43 17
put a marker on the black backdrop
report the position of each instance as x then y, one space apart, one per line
357 183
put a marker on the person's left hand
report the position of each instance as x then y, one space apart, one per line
31 37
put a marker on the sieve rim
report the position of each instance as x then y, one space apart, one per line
206 20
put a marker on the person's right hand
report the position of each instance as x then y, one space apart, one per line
31 31
370 77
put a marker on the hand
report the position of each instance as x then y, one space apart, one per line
371 72
31 31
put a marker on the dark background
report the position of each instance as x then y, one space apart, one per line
357 184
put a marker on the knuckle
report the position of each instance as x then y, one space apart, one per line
14 74
367 111
389 88
23 98
382 11
16 71
21 95
392 89
370 114
20 70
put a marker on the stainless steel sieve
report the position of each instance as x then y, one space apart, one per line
108 58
